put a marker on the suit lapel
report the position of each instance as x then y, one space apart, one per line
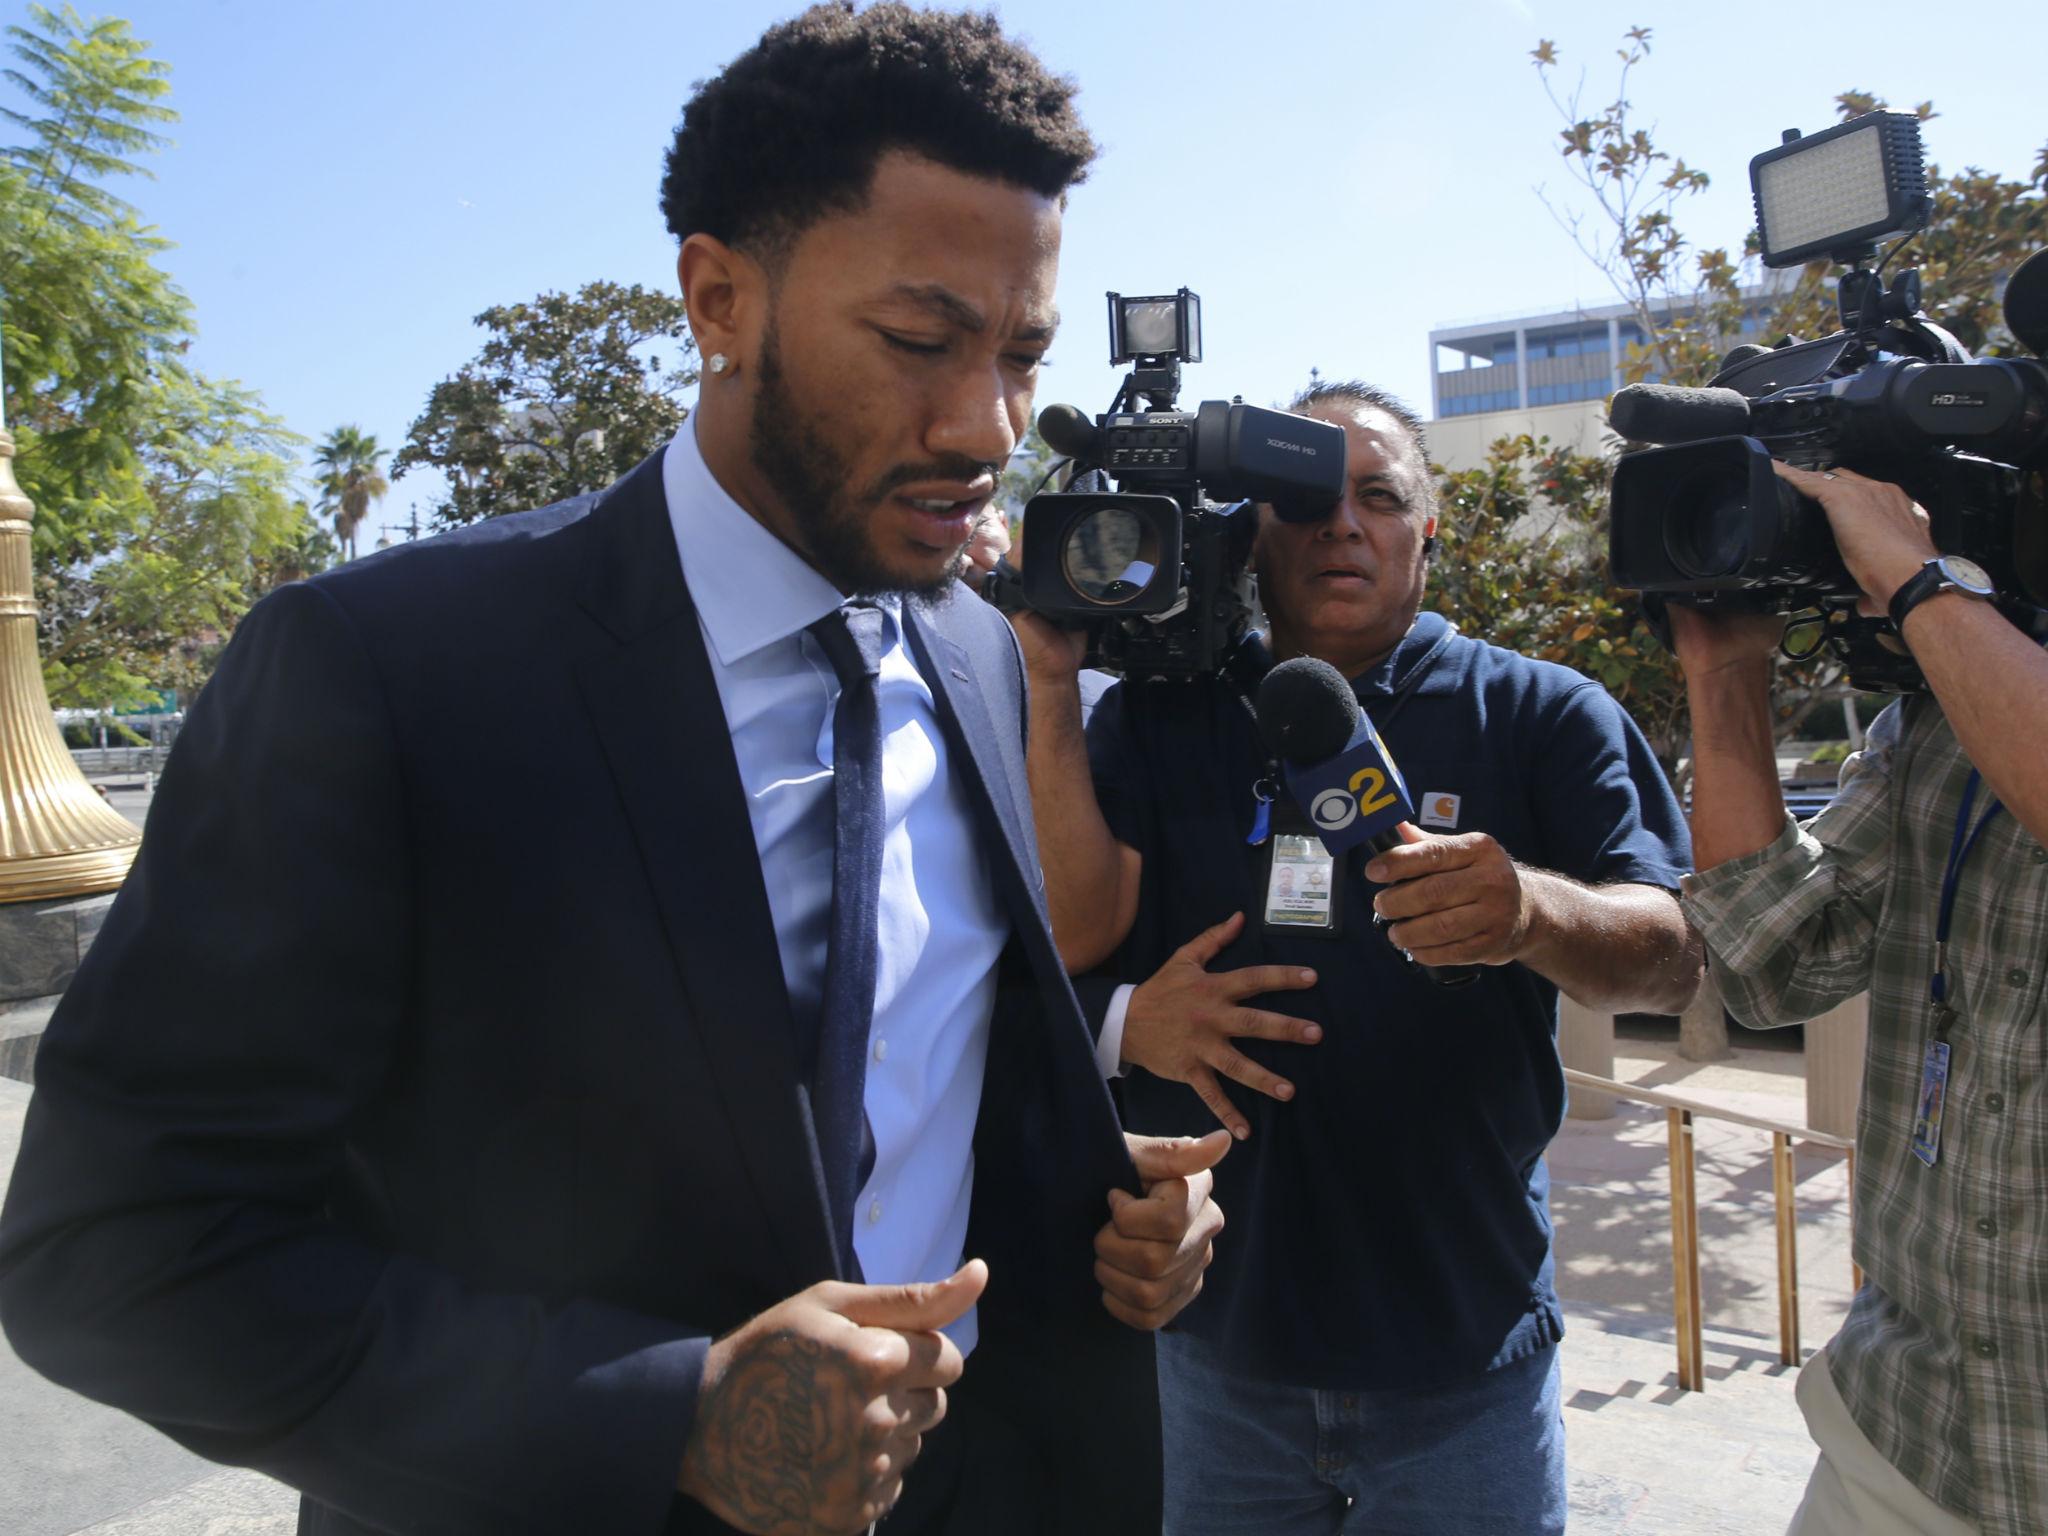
656 709
1052 1037
946 667
993 786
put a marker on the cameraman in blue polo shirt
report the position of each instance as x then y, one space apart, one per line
1376 1348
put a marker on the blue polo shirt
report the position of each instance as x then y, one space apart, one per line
1389 1227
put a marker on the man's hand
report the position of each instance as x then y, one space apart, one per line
1455 900
1051 654
1737 806
1150 1256
810 1414
1179 1025
1884 538
1882 532
1710 643
1462 901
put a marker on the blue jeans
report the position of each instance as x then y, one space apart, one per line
1481 1458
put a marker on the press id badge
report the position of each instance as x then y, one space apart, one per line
1933 1091
1301 884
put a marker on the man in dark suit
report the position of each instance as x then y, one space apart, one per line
586 985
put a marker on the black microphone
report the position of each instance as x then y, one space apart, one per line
1665 413
2026 303
1066 429
1337 769
1307 711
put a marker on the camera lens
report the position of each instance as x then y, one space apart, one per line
1706 527
1109 556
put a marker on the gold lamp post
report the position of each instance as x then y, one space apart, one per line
58 838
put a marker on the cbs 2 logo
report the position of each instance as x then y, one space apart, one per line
1334 809
1369 785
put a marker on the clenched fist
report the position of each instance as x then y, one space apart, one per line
811 1413
1150 1255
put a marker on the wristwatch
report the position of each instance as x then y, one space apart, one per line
1944 573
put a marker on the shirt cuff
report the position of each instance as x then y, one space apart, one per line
1109 1045
1728 893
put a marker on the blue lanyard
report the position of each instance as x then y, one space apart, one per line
1959 850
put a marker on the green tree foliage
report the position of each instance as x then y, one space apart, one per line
86 309
1522 563
152 613
1528 530
350 480
159 492
307 551
568 393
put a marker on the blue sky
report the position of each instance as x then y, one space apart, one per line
350 184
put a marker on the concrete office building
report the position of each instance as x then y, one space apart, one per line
1546 374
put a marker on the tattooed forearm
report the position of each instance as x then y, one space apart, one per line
777 1438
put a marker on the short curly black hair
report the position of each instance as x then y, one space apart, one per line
792 128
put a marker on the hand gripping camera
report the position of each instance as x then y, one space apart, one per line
1891 396
1154 570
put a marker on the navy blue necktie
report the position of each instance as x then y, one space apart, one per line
852 637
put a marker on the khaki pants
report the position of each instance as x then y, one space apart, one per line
1854 1491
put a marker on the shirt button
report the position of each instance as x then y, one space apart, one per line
881 1050
1986 1348
2016 976
874 1212
2039 855
1987 1226
1994 1102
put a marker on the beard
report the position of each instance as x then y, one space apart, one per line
812 478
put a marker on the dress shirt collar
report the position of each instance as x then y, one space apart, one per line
750 588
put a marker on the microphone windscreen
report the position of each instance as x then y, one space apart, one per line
1666 413
1307 711
2026 303
1067 430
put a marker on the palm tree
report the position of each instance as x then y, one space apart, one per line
349 481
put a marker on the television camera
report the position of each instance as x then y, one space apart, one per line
1155 570
1704 520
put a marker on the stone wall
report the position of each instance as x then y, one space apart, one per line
41 944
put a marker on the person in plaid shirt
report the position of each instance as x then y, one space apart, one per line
1930 1407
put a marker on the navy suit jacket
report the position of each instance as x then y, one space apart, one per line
430 1094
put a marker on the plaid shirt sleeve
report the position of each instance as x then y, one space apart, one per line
1943 1359
1790 929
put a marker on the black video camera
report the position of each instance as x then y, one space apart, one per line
1154 571
1707 523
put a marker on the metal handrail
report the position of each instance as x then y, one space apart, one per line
1659 1099
1685 1222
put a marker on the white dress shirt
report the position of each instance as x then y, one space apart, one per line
942 927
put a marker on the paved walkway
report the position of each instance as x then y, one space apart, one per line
1646 1459
1644 1456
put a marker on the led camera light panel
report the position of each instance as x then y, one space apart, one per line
1839 189
1151 325
1155 326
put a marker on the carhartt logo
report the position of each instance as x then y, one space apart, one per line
1440 809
